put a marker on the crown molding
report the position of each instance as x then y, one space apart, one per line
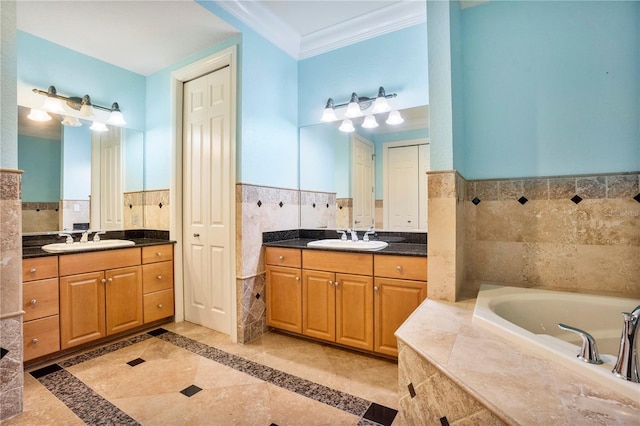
394 17
382 21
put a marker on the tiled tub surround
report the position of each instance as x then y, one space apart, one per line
576 233
10 294
186 373
479 377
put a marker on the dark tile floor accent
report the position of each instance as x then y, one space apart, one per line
80 398
190 390
315 391
380 414
95 410
136 361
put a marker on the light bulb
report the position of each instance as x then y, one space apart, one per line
86 110
381 104
346 126
329 113
394 118
98 127
38 115
53 105
370 122
353 109
71 121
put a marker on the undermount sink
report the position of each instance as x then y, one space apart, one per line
348 245
90 245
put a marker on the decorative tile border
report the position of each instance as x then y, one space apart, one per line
94 409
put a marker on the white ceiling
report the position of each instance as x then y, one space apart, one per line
145 36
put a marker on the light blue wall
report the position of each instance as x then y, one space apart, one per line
551 88
42 64
317 143
397 61
40 160
76 163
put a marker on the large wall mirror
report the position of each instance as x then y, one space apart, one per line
370 177
77 179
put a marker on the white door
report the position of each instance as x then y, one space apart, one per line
363 191
107 205
207 225
403 187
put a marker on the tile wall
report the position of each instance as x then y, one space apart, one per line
258 209
344 213
11 377
147 209
317 209
40 217
74 212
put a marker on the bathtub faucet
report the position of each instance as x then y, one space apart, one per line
627 365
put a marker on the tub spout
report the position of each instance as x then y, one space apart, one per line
589 350
627 365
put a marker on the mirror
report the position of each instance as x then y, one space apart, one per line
63 187
371 177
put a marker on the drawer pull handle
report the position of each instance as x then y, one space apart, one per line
34 340
159 277
399 268
33 270
281 258
297 278
376 288
159 254
34 301
160 305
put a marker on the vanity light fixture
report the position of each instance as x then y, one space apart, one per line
356 106
84 107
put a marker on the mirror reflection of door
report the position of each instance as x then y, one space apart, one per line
107 207
363 190
405 174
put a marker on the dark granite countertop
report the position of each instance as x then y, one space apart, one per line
400 243
32 244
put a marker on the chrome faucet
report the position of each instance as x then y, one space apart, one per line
96 236
627 365
68 236
369 230
354 234
589 350
85 237
344 235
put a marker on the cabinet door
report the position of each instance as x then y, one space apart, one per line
81 309
319 305
395 300
354 311
123 299
284 298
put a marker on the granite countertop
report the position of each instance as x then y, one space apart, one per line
519 387
32 244
400 243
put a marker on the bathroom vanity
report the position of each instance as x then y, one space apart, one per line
82 298
350 298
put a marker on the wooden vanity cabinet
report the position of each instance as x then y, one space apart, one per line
157 279
284 289
100 295
41 327
337 297
400 286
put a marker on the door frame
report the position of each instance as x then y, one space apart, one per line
385 172
226 57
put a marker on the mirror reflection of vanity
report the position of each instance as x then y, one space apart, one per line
371 177
76 179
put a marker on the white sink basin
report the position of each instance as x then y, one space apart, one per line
91 245
348 245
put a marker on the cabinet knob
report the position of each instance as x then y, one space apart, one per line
110 280
336 283
330 282
159 254
297 278
281 258
33 270
399 268
103 281
159 277
34 301
34 340
160 305
376 288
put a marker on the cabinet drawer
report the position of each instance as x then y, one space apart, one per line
41 337
152 254
39 268
157 276
282 257
348 263
403 267
40 299
98 261
158 305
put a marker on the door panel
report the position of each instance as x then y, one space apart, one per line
363 183
354 311
82 316
123 299
403 188
319 305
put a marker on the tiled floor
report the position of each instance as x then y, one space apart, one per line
186 374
